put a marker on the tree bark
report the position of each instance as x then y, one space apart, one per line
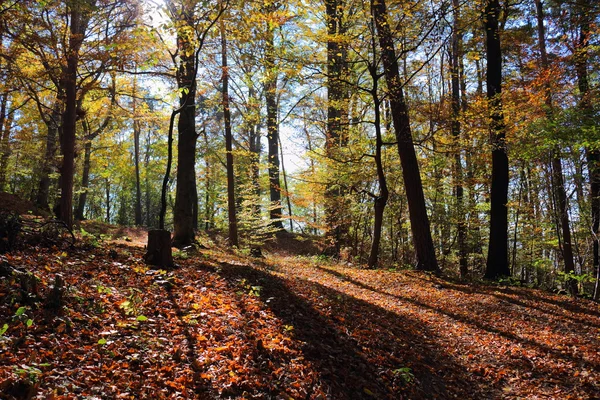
53 128
337 98
455 72
231 206
380 201
587 110
85 181
159 249
419 221
4 140
556 163
185 193
497 259
136 158
275 209
67 140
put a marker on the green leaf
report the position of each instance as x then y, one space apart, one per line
4 329
29 323
20 311
142 318
102 341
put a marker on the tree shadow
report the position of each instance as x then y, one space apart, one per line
569 304
360 349
504 294
544 372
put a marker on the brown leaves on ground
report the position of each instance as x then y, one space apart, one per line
222 326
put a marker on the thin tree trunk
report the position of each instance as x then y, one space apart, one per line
4 140
107 191
85 181
136 158
275 210
497 260
419 220
587 109
285 186
455 72
557 170
380 201
231 206
53 127
149 222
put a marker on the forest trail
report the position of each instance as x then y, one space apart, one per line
228 326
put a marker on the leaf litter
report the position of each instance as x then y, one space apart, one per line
285 327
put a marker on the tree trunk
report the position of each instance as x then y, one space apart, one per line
587 110
149 221
497 260
186 194
381 200
255 151
53 129
85 181
136 158
455 72
159 249
68 137
4 140
275 210
335 213
557 170
231 206
419 220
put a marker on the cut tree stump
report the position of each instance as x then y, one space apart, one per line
159 249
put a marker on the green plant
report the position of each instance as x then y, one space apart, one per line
31 373
21 316
405 374
181 254
580 279
131 305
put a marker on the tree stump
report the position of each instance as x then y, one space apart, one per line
159 249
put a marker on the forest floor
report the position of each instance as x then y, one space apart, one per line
224 325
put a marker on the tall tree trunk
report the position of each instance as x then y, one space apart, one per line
497 260
286 188
255 151
4 139
53 128
419 220
275 209
107 192
556 163
78 25
455 72
185 193
136 158
380 201
85 181
587 110
231 206
335 215
208 188
149 222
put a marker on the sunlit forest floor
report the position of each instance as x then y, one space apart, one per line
224 325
